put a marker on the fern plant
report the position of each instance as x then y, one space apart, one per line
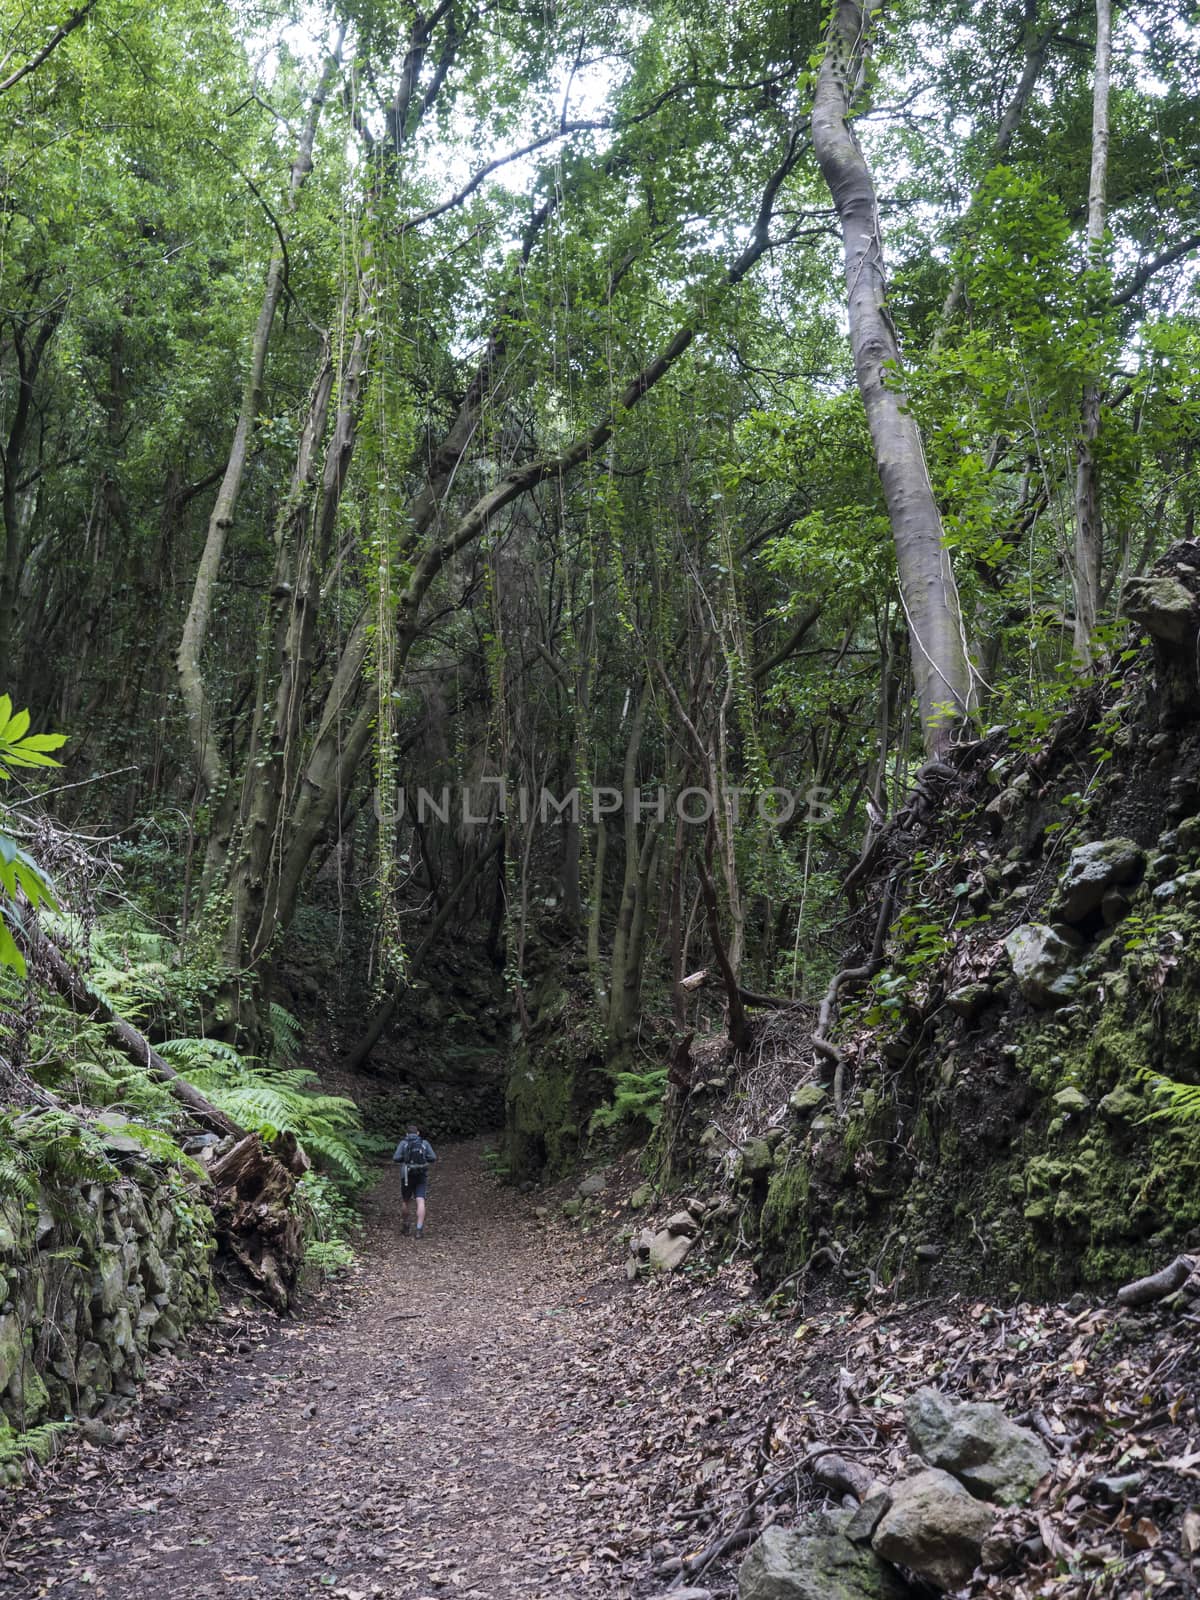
1175 1101
637 1097
20 876
273 1100
36 1444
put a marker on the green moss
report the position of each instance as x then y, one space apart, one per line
784 1231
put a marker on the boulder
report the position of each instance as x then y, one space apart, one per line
593 1185
1092 871
1044 964
1122 1105
807 1100
805 1564
993 1457
969 999
757 1159
1071 1102
670 1250
642 1196
1161 605
872 1509
934 1528
683 1222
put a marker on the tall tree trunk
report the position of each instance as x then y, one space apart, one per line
940 668
291 785
1089 529
195 625
619 1020
19 498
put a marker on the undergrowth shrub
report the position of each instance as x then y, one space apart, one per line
637 1100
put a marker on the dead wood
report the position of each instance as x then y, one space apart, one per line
1157 1286
255 1218
82 999
254 1185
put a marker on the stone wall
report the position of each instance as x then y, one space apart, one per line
93 1279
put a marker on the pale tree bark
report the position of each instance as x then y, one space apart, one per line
195 626
941 671
1089 528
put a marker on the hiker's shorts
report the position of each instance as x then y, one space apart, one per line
414 1189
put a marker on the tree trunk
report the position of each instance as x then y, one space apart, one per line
1089 529
940 668
195 625
619 1020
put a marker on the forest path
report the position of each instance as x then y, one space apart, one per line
424 1434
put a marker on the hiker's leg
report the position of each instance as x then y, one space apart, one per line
420 1211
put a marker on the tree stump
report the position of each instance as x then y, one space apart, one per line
254 1218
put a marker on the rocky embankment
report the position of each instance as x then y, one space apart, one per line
94 1278
1016 1090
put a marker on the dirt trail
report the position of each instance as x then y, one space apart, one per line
422 1435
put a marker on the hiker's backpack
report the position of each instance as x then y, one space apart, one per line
410 1153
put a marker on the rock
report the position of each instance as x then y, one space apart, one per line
757 1159
641 1243
12 1350
1121 1105
108 1284
1161 605
98 1433
594 1184
642 1196
110 1125
928 1252
688 1594
670 1250
994 1458
807 1100
683 1222
572 1207
1092 871
1043 964
806 1565
697 1208
1187 836
1071 1101
969 999
1114 906
999 1550
935 1528
870 1513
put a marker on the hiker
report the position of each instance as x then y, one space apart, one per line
414 1155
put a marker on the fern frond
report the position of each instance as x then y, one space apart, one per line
1175 1102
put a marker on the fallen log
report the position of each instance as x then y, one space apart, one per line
1158 1285
254 1185
84 1000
